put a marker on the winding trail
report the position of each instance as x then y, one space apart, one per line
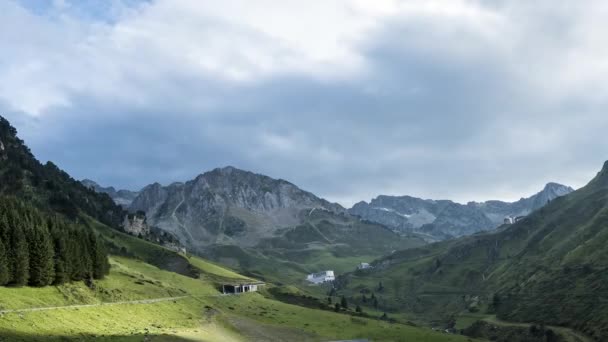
78 306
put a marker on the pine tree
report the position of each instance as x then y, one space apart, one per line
42 265
358 309
18 257
39 250
4 275
4 228
85 252
344 303
76 257
99 257
62 267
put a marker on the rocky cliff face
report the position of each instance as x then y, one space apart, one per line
135 224
227 206
445 219
121 197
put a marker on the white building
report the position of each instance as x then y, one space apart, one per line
509 220
321 277
364 266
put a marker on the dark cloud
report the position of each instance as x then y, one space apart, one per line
441 109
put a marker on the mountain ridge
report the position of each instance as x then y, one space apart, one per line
121 197
227 204
444 219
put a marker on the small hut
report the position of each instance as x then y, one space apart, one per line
238 288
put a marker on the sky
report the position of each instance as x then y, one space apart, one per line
348 99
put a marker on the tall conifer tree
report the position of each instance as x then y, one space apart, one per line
42 266
18 256
4 275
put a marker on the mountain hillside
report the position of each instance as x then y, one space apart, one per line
445 219
47 186
548 268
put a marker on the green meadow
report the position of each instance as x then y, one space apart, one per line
200 314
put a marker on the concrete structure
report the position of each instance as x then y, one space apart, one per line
240 288
321 277
364 266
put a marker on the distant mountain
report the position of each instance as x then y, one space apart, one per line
548 268
227 205
445 219
120 197
264 225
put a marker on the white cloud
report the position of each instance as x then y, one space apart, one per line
350 98
236 40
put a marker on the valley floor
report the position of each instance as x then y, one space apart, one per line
139 302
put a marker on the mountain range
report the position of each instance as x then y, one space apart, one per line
445 219
260 225
229 205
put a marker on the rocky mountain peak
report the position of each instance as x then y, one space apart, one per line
558 188
227 170
601 180
227 204
89 183
604 170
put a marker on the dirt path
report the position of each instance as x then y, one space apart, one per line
78 306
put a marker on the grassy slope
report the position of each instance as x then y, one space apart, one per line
203 316
324 241
549 268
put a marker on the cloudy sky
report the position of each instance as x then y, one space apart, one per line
467 100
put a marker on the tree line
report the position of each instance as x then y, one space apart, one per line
39 249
